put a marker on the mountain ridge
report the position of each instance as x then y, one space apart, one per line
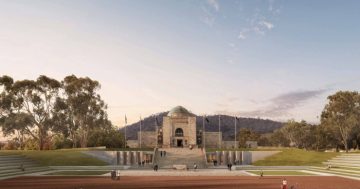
227 125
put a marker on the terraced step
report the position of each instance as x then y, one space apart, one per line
18 164
342 164
10 165
334 171
27 171
181 156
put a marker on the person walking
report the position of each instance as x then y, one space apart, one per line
156 167
284 184
195 167
261 173
161 153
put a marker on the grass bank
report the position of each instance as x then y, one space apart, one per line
296 157
57 157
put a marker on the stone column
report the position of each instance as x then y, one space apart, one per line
225 157
218 157
122 158
128 157
238 157
118 158
134 158
232 157
141 156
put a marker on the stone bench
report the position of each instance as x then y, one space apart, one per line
180 167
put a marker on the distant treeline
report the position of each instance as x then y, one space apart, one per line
212 125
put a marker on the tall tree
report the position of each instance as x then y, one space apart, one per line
342 113
29 106
247 135
85 108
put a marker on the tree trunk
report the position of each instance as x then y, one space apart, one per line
346 146
41 142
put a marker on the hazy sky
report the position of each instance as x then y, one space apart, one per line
271 59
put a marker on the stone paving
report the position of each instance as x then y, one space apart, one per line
167 172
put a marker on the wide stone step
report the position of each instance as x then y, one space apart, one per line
18 164
342 164
17 160
32 170
335 172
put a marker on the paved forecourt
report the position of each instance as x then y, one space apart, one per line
199 182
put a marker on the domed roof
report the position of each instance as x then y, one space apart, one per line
179 111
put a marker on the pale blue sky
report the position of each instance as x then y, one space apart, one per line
271 59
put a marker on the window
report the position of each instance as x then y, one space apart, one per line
179 132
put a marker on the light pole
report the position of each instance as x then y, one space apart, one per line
203 133
125 132
235 132
219 134
157 132
140 132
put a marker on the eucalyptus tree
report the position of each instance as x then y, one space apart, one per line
84 107
29 107
342 113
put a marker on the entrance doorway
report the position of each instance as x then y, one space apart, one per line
179 143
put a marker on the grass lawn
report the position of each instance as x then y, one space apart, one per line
282 173
296 157
79 173
57 157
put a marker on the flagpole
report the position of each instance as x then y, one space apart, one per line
140 131
203 131
219 134
125 130
235 133
157 132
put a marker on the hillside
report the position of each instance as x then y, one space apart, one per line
227 125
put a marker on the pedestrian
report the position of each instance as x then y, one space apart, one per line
230 165
22 167
284 184
156 167
195 167
161 153
261 173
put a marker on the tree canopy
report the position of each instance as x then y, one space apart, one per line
45 107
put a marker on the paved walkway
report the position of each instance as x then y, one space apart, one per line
200 172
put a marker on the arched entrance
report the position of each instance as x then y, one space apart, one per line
179 134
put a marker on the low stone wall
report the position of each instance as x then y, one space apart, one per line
123 157
237 157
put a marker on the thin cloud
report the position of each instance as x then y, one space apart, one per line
208 17
243 32
266 24
214 4
281 105
261 22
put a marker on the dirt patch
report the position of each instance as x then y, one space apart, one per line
198 182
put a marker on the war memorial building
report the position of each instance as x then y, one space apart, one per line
178 129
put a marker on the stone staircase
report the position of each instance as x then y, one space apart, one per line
345 160
10 166
346 165
180 156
